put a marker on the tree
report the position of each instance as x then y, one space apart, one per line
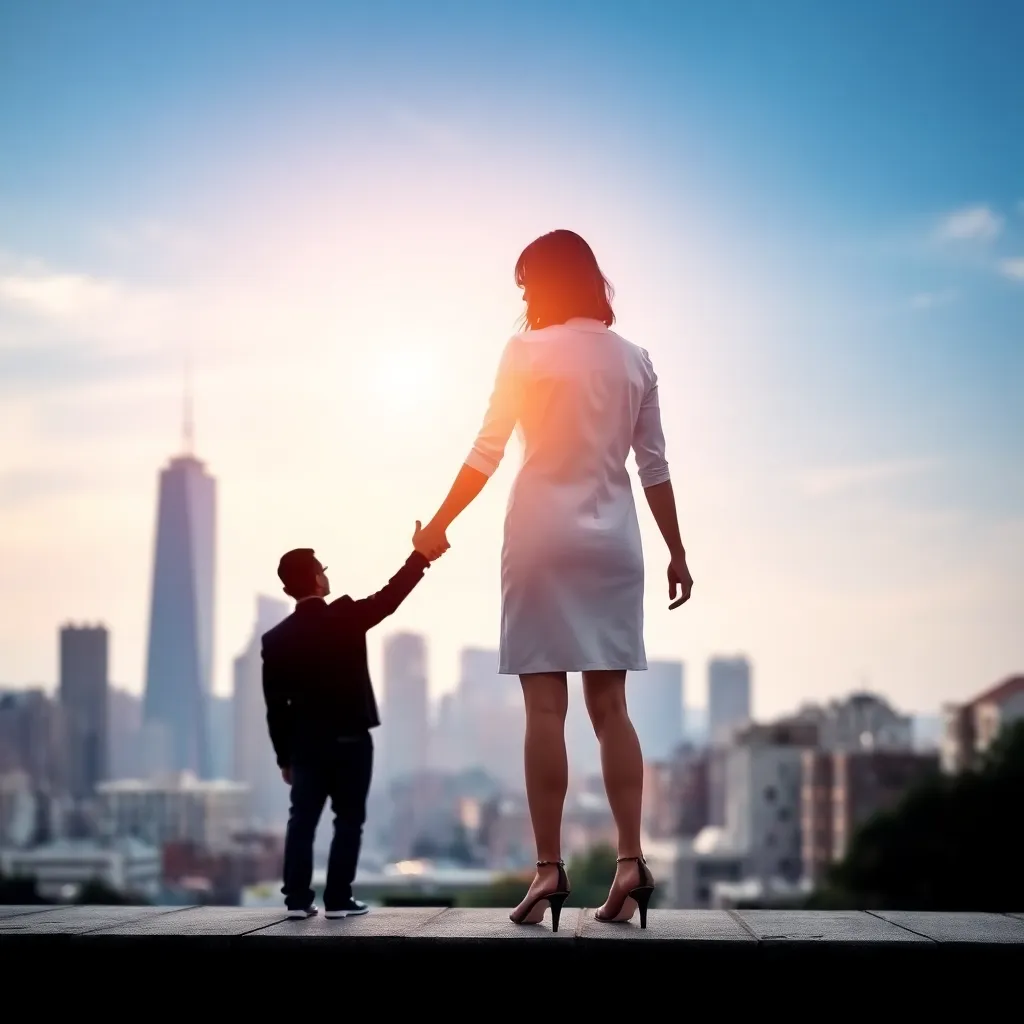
98 893
953 843
19 890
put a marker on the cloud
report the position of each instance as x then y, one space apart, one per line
1014 269
971 224
52 316
824 482
929 300
58 296
57 307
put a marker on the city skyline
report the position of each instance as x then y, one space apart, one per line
814 227
435 690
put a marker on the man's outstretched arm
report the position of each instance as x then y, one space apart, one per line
372 610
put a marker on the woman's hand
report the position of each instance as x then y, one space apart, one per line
430 541
680 582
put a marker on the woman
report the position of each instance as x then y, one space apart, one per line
572 570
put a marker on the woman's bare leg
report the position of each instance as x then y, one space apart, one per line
622 766
547 769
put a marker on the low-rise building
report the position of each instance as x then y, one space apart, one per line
688 870
62 868
971 728
843 790
763 786
178 808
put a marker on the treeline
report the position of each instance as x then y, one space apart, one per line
953 843
25 892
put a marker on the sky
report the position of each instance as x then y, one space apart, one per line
812 215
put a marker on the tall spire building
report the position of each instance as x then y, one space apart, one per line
179 663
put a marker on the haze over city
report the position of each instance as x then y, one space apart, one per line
321 217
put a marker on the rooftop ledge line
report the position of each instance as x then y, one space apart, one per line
895 931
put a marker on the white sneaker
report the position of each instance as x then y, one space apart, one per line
301 913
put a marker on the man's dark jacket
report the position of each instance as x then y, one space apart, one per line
316 679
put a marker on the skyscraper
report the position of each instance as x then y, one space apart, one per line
406 722
655 700
84 694
179 666
728 697
493 717
254 761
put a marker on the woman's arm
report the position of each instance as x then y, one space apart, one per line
662 501
469 482
649 449
488 451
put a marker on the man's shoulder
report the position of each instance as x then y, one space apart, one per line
275 633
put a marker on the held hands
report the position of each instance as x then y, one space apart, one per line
429 541
680 582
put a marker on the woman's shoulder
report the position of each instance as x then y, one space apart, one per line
637 351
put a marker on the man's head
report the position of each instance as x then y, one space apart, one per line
303 575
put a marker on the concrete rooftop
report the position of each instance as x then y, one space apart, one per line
229 942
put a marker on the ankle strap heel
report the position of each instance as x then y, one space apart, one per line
646 878
640 894
527 913
563 878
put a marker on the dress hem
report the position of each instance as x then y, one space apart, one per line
504 670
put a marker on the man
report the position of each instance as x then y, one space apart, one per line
320 710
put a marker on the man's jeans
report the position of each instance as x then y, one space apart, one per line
339 769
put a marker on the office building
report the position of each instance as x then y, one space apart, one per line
179 664
862 721
175 809
125 724
971 728
729 698
64 867
33 739
405 714
254 762
655 701
763 793
490 707
84 696
842 790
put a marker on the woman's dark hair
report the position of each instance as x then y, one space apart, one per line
562 280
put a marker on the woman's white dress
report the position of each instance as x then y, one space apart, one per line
572 568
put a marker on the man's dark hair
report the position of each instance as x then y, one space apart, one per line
298 570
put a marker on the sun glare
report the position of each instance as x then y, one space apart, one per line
402 379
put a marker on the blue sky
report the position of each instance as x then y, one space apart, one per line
812 213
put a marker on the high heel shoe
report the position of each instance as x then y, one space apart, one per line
533 912
637 898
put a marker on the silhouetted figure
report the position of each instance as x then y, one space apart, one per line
320 710
572 570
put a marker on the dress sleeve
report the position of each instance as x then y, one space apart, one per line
502 414
648 436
